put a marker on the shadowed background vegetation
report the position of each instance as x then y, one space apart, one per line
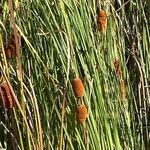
59 40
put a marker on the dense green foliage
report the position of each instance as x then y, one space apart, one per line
60 40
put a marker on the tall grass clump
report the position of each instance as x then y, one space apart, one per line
77 72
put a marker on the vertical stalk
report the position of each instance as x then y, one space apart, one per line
62 120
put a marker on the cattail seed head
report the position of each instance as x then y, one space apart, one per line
10 49
117 67
102 13
102 20
10 52
6 96
78 87
82 113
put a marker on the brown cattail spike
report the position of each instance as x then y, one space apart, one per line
10 49
82 113
102 20
117 67
7 99
123 90
78 87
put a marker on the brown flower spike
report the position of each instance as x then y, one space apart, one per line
102 20
78 87
117 67
6 96
82 113
10 49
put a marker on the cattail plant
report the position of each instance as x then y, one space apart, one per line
6 96
117 67
78 87
82 113
10 49
102 20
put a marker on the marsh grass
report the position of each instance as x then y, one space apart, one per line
60 41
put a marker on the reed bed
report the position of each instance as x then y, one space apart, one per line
74 74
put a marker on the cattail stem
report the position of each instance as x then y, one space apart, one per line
62 120
10 4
